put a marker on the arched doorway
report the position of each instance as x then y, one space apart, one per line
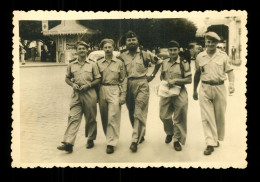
223 32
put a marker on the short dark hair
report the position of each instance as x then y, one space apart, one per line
173 43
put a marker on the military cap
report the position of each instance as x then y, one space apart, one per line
82 43
104 41
173 43
130 34
212 35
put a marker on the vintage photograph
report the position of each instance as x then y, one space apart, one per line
129 89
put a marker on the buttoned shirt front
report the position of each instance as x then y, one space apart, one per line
172 69
113 72
213 68
134 63
83 74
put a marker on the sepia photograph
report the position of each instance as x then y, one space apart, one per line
129 89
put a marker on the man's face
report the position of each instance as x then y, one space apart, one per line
132 43
108 48
173 52
211 44
82 50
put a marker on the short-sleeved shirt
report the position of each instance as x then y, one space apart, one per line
113 72
83 74
134 64
213 68
173 70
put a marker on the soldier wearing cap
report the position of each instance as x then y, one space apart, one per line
136 61
212 65
173 109
112 93
86 76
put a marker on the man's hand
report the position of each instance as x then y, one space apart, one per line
150 78
195 95
172 82
122 99
75 86
231 88
84 87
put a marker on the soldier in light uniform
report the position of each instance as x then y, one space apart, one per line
137 61
85 76
112 93
176 71
212 65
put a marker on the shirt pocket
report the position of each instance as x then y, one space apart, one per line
87 73
220 66
114 71
174 72
140 67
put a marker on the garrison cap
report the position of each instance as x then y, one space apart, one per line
212 35
130 34
82 43
104 41
173 43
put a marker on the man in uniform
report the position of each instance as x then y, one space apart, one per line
176 71
137 61
85 76
212 65
112 93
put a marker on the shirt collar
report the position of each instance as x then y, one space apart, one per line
177 61
77 60
137 50
204 53
113 59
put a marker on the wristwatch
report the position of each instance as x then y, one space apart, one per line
152 75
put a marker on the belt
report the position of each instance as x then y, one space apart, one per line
109 84
213 83
137 78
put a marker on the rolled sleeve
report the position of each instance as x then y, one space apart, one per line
187 70
227 66
96 72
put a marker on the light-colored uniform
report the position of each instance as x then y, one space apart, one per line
213 97
137 97
174 109
84 102
112 88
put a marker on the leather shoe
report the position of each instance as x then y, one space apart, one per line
177 146
168 139
133 147
142 140
90 144
110 149
208 150
66 147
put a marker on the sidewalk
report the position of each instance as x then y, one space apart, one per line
41 64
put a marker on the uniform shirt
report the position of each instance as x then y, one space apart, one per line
172 69
113 72
83 74
213 68
134 64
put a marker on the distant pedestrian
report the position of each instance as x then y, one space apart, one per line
173 108
112 93
85 77
212 66
22 52
233 52
44 52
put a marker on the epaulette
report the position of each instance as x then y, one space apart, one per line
100 58
124 50
144 49
118 57
70 61
91 60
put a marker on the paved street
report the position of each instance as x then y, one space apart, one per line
44 110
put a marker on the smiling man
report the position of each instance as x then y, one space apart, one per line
173 109
212 65
86 76
137 62
112 93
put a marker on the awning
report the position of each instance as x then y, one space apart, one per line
69 27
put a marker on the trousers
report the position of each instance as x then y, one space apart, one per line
82 103
173 114
110 111
137 100
213 107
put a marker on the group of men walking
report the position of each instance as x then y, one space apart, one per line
114 81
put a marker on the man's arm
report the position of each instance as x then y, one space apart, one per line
231 79
156 69
196 83
180 81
